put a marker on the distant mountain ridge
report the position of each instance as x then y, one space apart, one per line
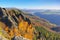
53 18
51 15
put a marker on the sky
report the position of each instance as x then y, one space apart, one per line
31 4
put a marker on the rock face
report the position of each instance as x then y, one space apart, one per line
14 25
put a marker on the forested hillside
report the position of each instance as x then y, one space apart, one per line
18 25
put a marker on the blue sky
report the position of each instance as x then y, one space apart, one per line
31 4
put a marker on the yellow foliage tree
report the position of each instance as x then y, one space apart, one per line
16 32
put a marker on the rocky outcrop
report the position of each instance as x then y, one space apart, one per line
14 25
